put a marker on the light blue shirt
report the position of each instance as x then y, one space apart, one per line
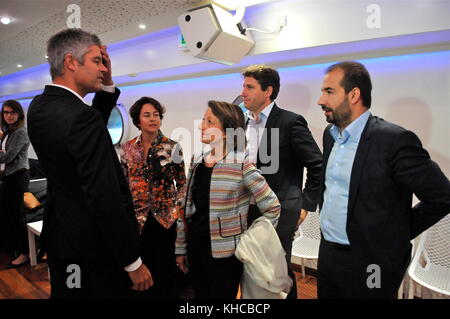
333 216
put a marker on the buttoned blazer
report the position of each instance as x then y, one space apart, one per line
297 150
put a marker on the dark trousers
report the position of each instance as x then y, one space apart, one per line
158 254
286 227
12 220
212 278
87 280
343 274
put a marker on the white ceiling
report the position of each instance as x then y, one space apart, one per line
153 55
24 40
27 13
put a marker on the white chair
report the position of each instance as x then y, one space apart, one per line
306 245
406 279
34 229
430 266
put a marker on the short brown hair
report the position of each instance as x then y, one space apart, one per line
17 107
135 109
266 76
231 117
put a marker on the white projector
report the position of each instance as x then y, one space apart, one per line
211 33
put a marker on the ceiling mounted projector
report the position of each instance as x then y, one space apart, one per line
212 33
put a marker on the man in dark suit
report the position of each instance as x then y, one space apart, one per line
371 170
89 230
281 145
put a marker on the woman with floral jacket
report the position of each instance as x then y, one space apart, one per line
154 167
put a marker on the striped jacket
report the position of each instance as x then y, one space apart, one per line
233 182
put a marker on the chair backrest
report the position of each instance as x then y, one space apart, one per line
436 243
430 266
311 226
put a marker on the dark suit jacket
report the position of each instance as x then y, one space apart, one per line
389 166
297 150
89 214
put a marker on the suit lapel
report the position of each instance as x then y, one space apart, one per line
266 140
359 165
327 143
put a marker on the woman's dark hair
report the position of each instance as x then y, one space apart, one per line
16 107
233 122
135 109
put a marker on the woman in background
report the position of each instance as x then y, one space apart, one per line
14 170
221 185
154 167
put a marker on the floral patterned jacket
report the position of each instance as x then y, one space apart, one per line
156 181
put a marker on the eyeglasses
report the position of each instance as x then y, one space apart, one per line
9 113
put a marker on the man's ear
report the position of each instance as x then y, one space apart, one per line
268 91
70 62
354 95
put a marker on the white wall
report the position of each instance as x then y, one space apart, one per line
412 91
322 22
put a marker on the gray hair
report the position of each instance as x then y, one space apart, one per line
74 41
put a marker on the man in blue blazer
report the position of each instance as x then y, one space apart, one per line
370 171
89 231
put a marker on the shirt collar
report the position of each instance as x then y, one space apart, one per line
138 140
266 111
157 140
353 131
70 90
264 114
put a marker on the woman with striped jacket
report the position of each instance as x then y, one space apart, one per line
221 184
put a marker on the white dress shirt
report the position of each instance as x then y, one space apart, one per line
255 130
